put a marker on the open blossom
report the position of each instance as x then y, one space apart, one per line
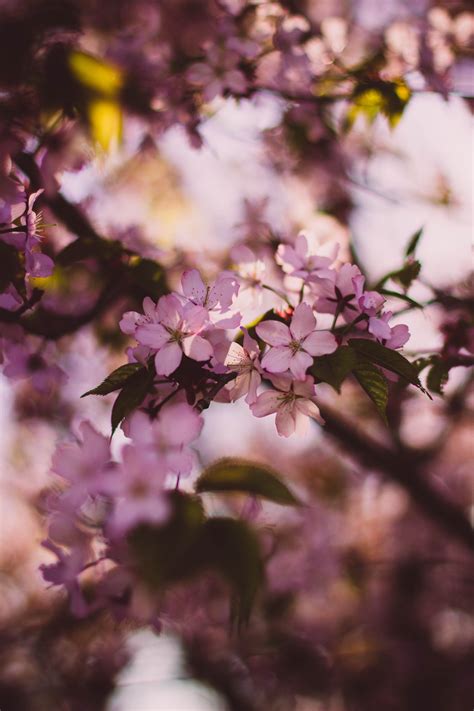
294 347
244 360
175 331
298 261
163 437
216 299
85 463
293 402
337 292
138 490
131 320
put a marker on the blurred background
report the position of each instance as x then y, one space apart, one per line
368 603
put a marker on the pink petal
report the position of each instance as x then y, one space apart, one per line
301 246
379 329
128 322
299 364
190 424
152 335
169 311
277 360
194 318
230 322
254 382
309 408
198 348
193 286
168 358
266 403
319 343
399 336
285 422
274 332
303 321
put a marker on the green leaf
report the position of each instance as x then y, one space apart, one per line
166 554
374 383
231 548
188 545
413 243
403 297
437 378
238 475
131 396
335 367
115 380
386 358
405 276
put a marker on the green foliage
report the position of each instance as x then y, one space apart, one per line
189 545
334 368
136 388
238 475
116 380
438 376
386 358
372 380
403 297
413 243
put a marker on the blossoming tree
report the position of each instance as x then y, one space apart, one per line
277 318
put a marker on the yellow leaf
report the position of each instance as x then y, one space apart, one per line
105 122
96 74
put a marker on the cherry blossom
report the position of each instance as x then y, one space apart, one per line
244 360
298 261
175 332
84 464
295 346
163 437
216 299
138 490
292 401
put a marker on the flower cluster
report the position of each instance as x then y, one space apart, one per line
20 241
104 500
279 353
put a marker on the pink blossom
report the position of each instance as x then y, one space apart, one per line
175 332
138 490
165 438
244 360
66 571
295 346
131 320
336 290
293 403
85 464
216 298
22 363
298 261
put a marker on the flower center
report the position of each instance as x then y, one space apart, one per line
294 346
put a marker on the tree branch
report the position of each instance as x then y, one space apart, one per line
401 468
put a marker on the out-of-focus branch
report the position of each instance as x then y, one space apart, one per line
401 468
